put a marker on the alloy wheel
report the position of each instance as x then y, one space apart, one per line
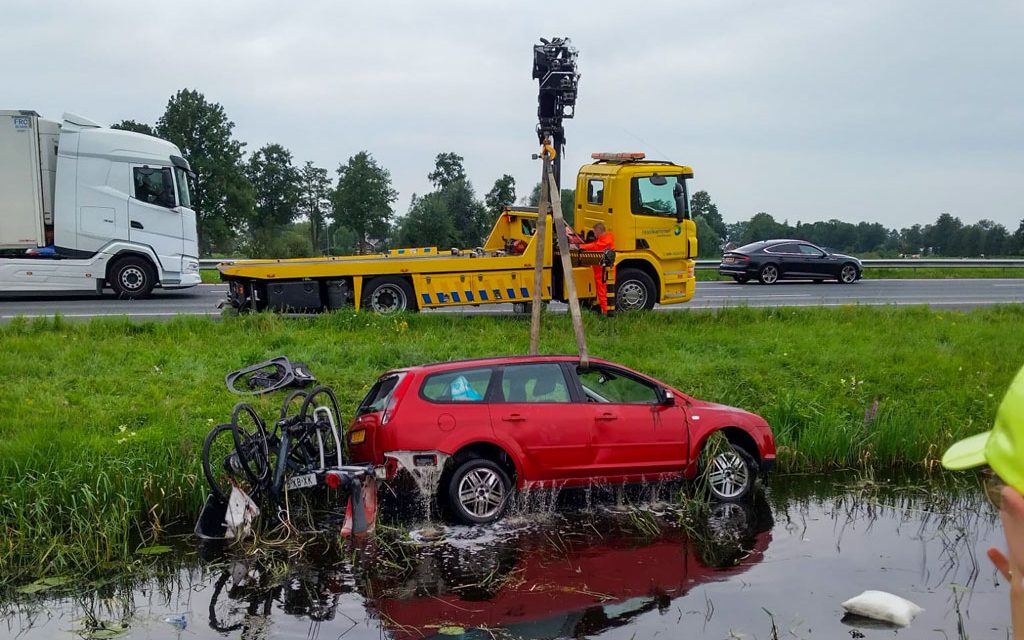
848 274
729 475
482 493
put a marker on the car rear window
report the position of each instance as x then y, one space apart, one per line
753 246
464 385
377 399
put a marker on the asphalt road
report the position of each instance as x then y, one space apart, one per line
203 300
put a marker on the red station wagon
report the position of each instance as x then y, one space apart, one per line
495 425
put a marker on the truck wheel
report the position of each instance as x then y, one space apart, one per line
388 294
634 290
132 277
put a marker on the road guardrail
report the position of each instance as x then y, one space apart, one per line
896 263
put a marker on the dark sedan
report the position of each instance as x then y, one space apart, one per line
772 260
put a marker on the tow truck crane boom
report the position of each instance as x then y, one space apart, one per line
554 65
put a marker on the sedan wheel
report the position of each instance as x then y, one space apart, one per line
479 491
730 475
769 274
848 274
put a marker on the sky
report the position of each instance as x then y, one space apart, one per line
874 110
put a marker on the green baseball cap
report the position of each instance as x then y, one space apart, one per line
1002 448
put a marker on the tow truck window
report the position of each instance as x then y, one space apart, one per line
649 199
184 198
154 185
595 191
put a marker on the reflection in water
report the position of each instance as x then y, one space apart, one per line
797 552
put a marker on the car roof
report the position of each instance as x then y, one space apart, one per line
448 365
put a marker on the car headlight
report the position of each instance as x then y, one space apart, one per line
191 266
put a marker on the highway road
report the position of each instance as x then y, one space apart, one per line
203 300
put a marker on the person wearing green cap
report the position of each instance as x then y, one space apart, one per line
1001 451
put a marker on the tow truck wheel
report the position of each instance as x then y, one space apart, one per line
634 290
388 294
132 277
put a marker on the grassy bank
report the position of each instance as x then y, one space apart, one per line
102 422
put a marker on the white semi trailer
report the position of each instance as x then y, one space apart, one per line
83 206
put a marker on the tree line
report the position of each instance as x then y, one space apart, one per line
947 237
265 204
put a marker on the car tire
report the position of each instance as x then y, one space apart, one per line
848 273
389 294
479 491
731 474
741 279
634 290
769 274
132 277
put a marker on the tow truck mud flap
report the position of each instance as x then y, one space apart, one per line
210 525
361 511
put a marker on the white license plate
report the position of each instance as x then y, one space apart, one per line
729 260
301 482
381 473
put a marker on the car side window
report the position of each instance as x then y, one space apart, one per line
534 383
783 248
595 191
464 385
604 385
154 185
808 250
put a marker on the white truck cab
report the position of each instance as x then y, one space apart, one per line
83 206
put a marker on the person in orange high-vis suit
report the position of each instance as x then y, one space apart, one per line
603 239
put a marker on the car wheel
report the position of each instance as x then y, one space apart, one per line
388 295
741 279
478 491
132 278
730 474
634 290
848 274
769 274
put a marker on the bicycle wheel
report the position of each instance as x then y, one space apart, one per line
221 464
287 404
251 444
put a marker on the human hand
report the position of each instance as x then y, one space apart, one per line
1012 513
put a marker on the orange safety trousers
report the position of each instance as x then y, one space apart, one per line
606 241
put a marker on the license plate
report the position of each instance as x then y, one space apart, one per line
381 473
301 482
730 260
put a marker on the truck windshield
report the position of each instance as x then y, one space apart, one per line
184 198
649 199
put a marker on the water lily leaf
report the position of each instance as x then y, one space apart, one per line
34 587
55 581
106 630
451 631
155 550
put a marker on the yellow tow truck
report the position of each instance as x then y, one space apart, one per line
645 204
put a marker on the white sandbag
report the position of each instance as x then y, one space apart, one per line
880 605
239 515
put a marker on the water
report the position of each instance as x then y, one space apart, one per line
789 560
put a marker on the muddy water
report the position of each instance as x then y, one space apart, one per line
781 565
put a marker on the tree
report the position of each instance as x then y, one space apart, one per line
137 127
501 195
315 201
428 223
362 199
701 205
448 169
1018 240
276 187
762 227
709 243
221 193
944 236
568 202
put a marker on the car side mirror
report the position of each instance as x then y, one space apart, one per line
666 397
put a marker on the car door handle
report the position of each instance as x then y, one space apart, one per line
513 417
606 416
136 225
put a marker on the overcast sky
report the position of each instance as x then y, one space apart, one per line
879 110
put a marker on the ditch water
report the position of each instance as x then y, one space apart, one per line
779 567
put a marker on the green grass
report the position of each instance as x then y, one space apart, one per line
103 421
209 276
913 273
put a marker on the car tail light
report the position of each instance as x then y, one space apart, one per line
396 397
